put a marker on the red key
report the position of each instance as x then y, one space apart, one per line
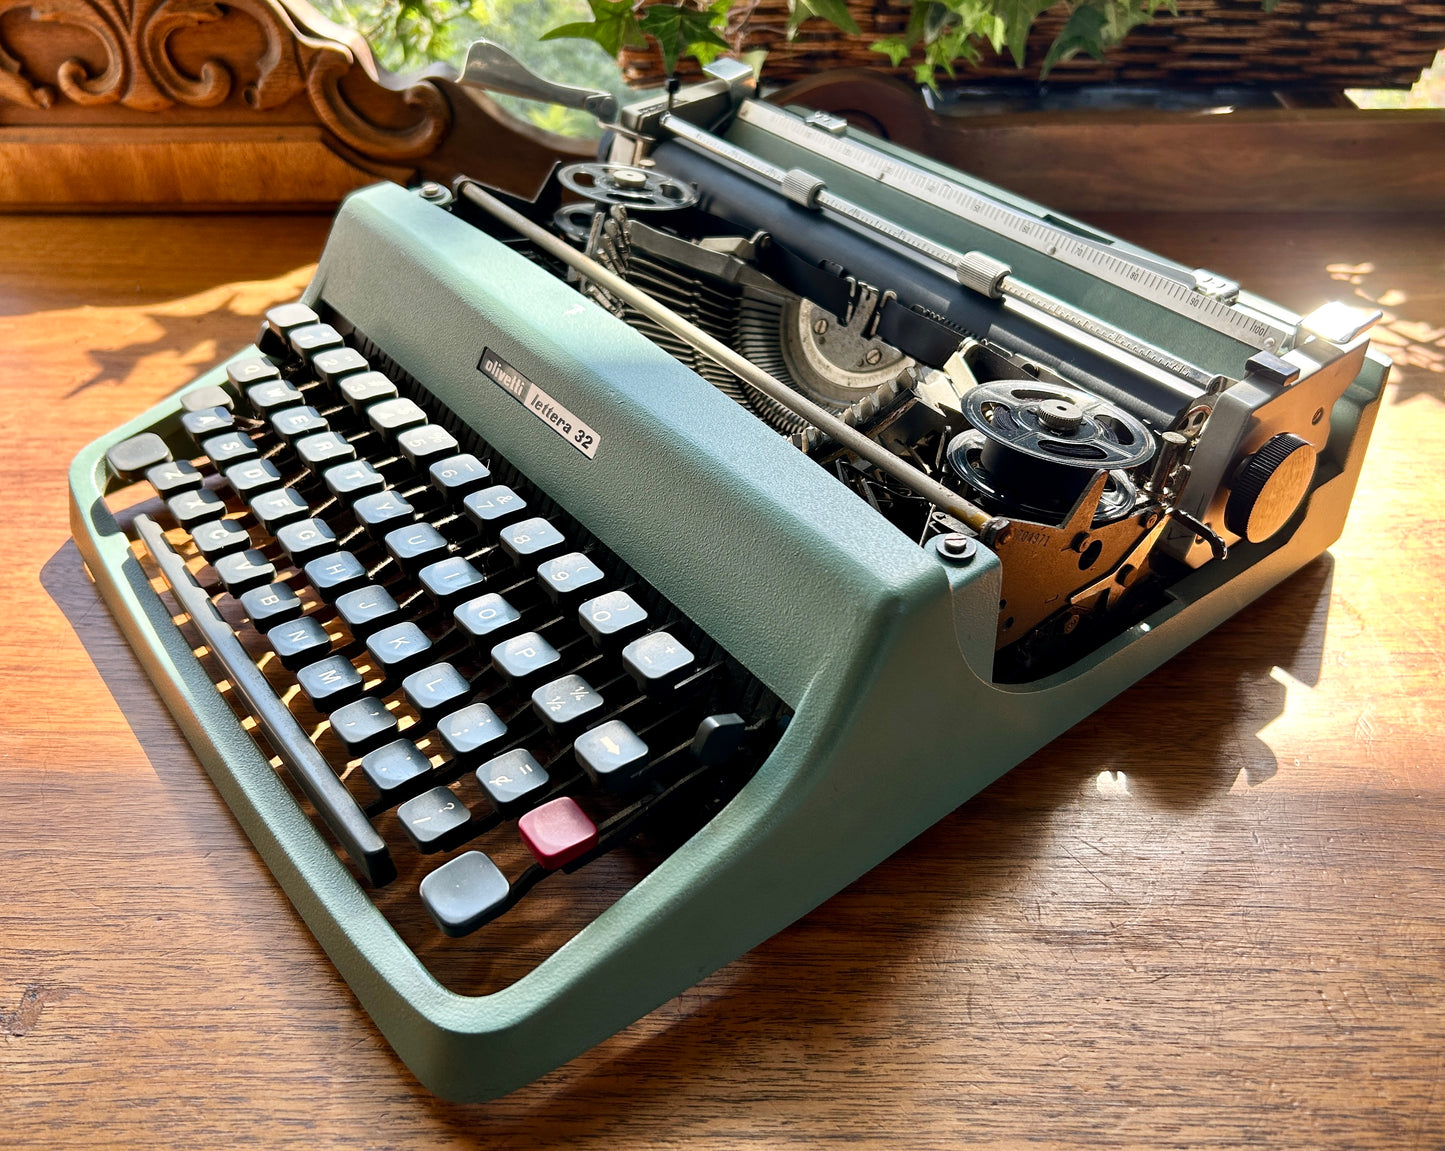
557 832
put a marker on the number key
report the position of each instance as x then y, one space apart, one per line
531 539
457 476
492 507
334 363
568 576
422 445
612 617
309 339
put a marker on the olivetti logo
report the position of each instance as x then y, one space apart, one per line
503 374
546 408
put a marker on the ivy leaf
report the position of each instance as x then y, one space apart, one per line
1018 17
1086 31
833 11
612 25
892 47
935 20
679 31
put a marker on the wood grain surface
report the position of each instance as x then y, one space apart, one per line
1211 915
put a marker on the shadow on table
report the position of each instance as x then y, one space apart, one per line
1182 737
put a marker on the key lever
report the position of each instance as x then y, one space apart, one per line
493 69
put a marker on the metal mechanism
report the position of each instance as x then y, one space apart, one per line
492 68
970 365
1201 296
909 476
640 189
810 191
1034 448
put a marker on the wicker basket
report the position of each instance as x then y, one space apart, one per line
1302 43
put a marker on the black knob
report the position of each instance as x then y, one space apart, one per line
1269 486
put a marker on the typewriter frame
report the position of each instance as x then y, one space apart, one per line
817 812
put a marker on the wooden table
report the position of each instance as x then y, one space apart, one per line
1212 914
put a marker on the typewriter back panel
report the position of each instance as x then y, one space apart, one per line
784 566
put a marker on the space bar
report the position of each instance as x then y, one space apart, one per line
308 767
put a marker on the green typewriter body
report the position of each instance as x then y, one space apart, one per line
842 661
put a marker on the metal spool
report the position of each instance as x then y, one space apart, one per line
1034 447
637 189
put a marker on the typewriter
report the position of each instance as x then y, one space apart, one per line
656 555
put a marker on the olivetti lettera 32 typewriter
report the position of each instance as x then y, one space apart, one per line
675 529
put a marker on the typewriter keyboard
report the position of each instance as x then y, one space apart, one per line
464 687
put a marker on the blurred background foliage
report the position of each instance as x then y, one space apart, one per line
408 35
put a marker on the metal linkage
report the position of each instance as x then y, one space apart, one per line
850 438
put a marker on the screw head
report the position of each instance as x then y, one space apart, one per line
872 356
957 547
819 327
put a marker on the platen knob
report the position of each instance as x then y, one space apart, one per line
1269 486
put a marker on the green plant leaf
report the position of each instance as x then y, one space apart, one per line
1018 17
833 11
892 47
935 20
1086 31
613 26
680 31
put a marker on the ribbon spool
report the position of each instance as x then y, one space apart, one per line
1034 447
637 189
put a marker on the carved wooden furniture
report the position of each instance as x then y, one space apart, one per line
133 103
